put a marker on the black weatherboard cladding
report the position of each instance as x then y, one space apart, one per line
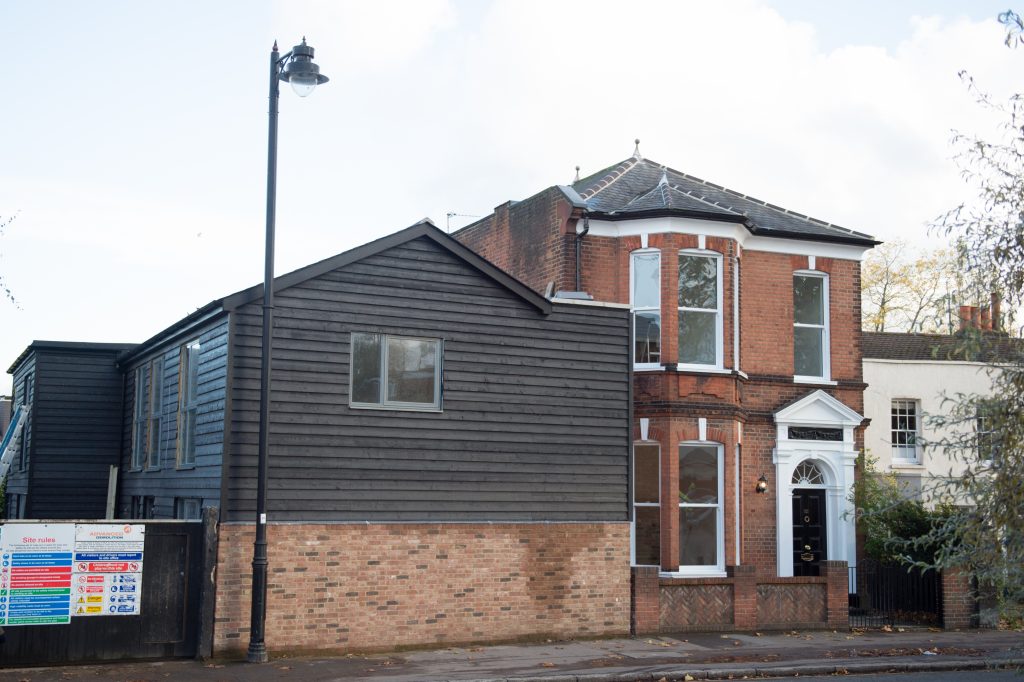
534 423
203 480
75 428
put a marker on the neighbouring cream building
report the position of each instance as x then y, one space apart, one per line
910 378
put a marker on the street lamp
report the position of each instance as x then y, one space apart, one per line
295 67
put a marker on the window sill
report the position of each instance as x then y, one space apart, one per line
703 369
184 467
702 574
648 368
814 381
906 464
395 408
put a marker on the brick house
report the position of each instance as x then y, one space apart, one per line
746 378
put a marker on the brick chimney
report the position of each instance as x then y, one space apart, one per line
997 309
967 317
986 319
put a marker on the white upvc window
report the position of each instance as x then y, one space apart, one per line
645 300
701 508
394 372
906 433
700 309
646 504
811 356
188 390
139 417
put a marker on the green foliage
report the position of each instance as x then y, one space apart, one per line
984 433
892 520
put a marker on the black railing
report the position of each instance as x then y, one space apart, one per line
896 595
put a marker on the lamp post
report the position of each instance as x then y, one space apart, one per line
295 67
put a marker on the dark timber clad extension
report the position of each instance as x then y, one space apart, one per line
75 428
533 423
168 480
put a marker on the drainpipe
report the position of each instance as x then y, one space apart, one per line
579 248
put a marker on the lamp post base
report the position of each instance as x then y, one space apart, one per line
257 653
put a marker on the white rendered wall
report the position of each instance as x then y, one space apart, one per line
928 382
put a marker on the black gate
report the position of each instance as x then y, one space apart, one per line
169 622
892 595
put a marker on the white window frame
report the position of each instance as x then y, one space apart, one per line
188 508
646 309
632 544
188 404
718 570
897 450
139 418
826 339
384 403
719 318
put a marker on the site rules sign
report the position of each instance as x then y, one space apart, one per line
35 573
107 577
52 571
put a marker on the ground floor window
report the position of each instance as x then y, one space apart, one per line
647 504
143 506
701 518
187 508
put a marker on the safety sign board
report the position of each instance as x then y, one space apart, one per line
52 571
108 569
35 573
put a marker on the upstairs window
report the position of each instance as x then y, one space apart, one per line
156 391
395 372
810 326
905 431
139 420
700 309
188 390
645 298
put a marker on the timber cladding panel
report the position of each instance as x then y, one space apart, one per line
533 423
362 587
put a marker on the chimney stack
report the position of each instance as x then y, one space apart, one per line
965 317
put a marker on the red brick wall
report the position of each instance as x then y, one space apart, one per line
364 587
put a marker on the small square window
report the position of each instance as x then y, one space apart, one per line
395 372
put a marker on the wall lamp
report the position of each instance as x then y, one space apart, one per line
762 484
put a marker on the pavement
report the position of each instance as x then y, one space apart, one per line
712 656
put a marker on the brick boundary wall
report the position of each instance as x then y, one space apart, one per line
740 601
957 600
372 587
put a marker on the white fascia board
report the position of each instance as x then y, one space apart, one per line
727 230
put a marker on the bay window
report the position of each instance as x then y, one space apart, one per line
645 299
700 309
646 504
701 512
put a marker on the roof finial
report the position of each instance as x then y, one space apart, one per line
664 178
577 178
636 149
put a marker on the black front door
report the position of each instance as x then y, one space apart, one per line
809 531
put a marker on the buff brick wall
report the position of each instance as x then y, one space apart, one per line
370 587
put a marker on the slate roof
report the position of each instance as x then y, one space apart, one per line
939 347
638 187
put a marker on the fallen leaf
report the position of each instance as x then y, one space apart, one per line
546 664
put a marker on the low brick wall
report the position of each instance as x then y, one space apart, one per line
740 601
354 587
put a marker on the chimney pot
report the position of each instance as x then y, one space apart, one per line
965 317
997 305
986 318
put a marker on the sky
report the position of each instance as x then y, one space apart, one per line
133 142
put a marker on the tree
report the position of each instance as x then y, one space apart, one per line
985 534
4 222
909 295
